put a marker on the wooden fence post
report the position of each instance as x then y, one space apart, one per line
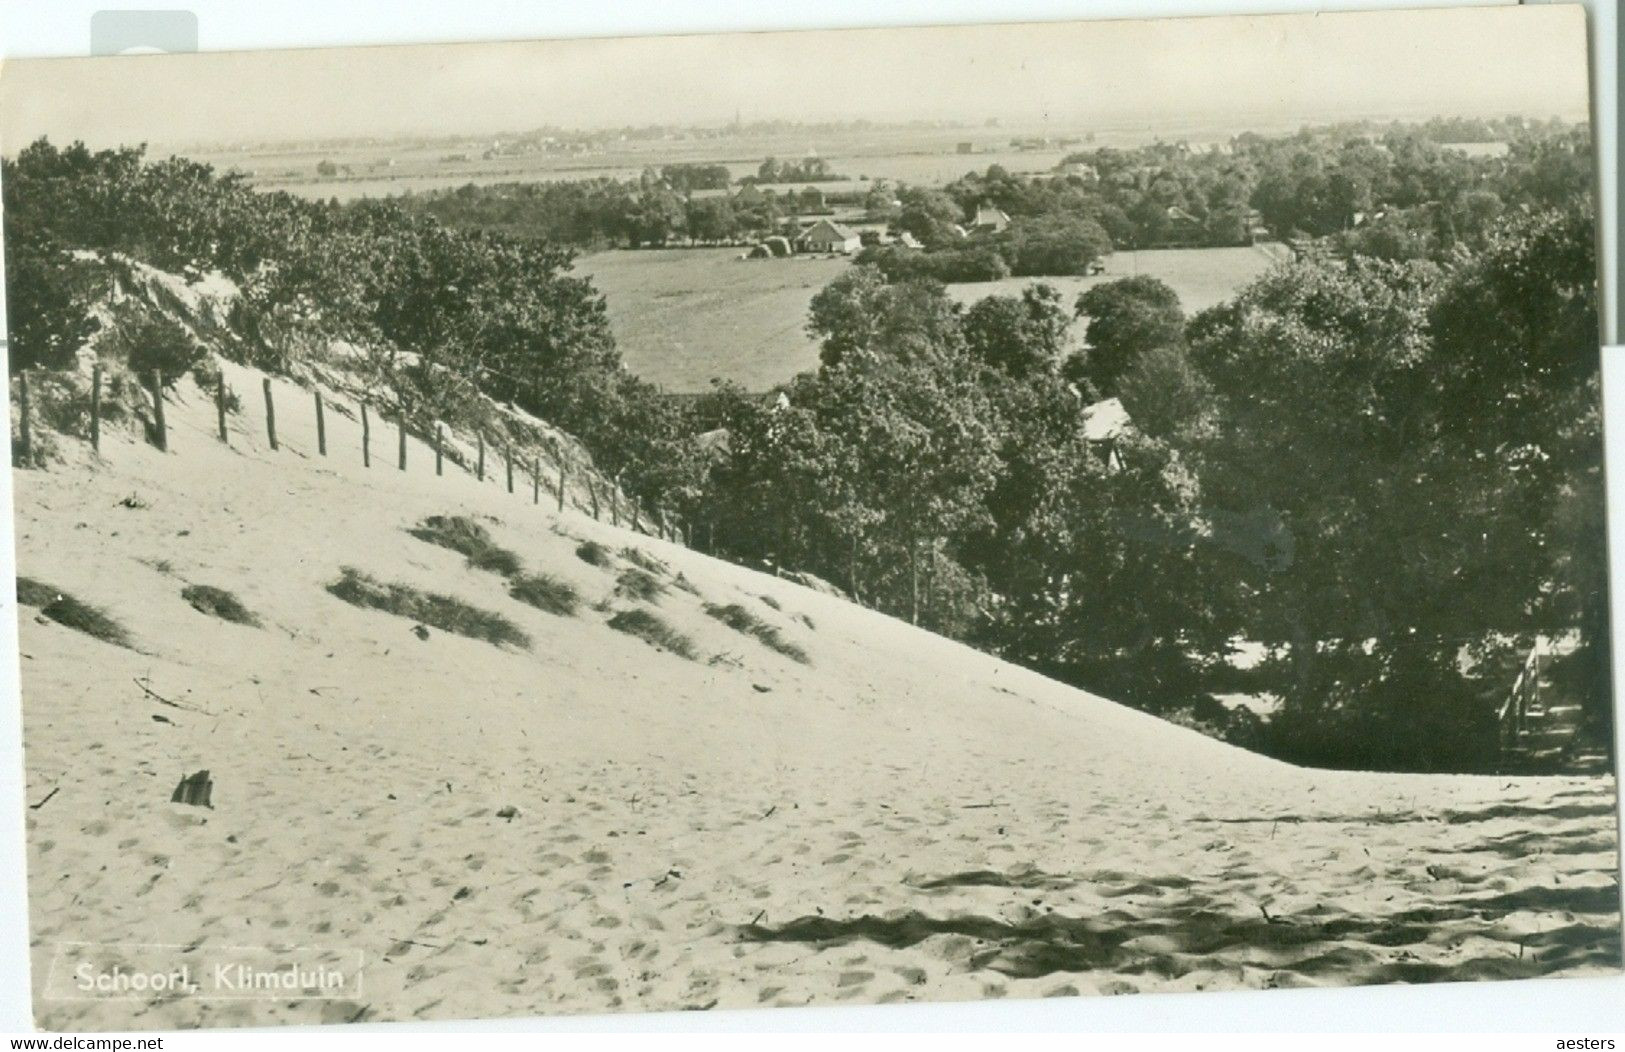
614 504
400 420
220 406
366 438
439 446
321 427
507 461
535 480
25 426
270 414
480 471
96 408
160 433
562 470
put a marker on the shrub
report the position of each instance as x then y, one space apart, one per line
592 553
440 611
654 631
217 602
741 620
64 609
153 341
640 585
545 593
471 540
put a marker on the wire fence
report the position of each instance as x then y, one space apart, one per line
515 468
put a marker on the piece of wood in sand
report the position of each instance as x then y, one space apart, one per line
270 413
220 406
96 408
160 433
194 789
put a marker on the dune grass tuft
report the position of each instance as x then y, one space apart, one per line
640 585
592 553
741 620
643 560
438 611
654 631
74 613
217 602
545 592
471 540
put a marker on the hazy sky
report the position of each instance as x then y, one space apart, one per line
1523 59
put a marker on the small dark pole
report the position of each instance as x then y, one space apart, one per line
160 433
535 480
270 414
321 427
401 421
96 408
480 471
366 438
592 492
439 447
614 504
637 514
220 406
507 461
561 485
25 441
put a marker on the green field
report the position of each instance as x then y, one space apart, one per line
684 316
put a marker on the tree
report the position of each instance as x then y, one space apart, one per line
859 311
1127 318
1053 245
929 215
1019 335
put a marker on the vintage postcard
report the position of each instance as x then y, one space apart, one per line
779 519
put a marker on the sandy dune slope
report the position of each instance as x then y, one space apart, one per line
902 818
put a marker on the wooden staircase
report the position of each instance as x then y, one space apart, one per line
1540 728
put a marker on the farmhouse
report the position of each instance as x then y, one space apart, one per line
826 235
990 220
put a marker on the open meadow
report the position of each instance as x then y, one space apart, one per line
684 316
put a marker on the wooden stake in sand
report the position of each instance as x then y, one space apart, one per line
400 421
439 447
562 470
507 461
366 438
321 427
160 433
479 473
535 480
270 414
25 423
96 408
220 406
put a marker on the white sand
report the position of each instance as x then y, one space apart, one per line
903 819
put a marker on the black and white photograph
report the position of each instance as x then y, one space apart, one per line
759 520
